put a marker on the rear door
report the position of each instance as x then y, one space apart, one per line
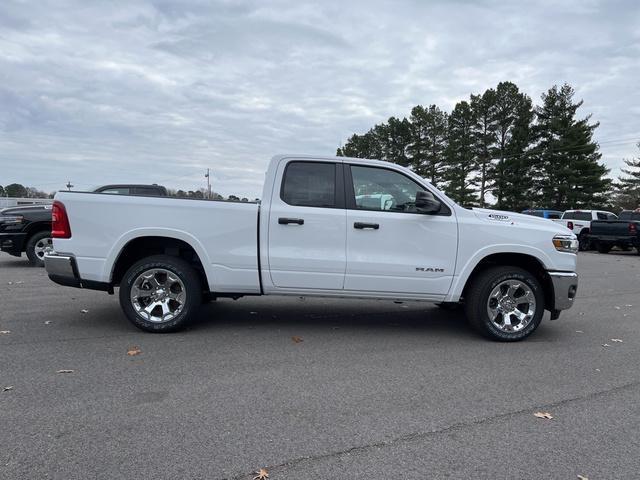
391 248
307 226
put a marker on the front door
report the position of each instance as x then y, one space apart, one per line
307 226
390 247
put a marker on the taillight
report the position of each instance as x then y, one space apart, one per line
633 228
59 221
570 225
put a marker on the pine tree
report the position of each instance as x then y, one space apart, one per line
484 140
429 142
510 117
569 175
397 141
628 187
517 185
460 156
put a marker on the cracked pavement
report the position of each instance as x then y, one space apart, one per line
375 390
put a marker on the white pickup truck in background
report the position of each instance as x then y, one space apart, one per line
579 222
328 227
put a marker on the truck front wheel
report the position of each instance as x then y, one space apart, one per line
504 303
160 293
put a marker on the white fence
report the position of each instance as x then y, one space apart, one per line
14 202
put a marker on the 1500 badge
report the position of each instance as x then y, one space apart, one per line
430 269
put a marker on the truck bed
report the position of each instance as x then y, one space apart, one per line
223 234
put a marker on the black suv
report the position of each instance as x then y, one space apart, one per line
28 228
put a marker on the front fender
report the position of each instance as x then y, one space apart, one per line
465 271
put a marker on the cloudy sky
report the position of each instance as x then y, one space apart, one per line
157 91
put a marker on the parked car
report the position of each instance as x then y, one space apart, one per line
310 237
549 214
579 222
28 229
623 232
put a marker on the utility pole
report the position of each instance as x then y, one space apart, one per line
69 185
207 176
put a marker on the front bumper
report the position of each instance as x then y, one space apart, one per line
63 270
565 287
12 243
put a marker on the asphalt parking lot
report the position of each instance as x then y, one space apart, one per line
317 389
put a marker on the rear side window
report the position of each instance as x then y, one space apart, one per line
611 216
146 191
629 215
553 215
602 216
116 191
309 184
584 216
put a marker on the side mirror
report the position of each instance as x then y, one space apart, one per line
427 203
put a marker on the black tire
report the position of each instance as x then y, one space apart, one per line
477 300
584 242
190 286
34 248
603 247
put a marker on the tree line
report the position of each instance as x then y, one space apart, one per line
20 191
17 190
498 149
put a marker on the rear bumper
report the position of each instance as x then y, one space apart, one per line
565 287
12 243
63 270
631 240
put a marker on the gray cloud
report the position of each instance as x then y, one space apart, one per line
99 92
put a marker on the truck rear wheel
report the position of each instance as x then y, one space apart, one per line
160 293
505 303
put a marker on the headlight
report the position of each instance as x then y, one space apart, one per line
566 243
10 219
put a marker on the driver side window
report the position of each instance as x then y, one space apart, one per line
384 190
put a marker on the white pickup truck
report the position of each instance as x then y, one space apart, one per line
579 222
316 233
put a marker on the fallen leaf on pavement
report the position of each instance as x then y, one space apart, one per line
261 474
65 371
582 477
616 307
617 340
629 305
84 311
545 415
606 345
579 331
133 351
7 388
297 339
5 332
47 322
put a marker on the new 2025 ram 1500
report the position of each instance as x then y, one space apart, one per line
328 227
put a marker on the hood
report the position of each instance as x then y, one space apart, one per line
24 209
513 218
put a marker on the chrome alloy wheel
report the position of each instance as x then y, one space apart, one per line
42 246
511 306
158 295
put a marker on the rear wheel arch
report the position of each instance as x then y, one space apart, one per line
141 247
